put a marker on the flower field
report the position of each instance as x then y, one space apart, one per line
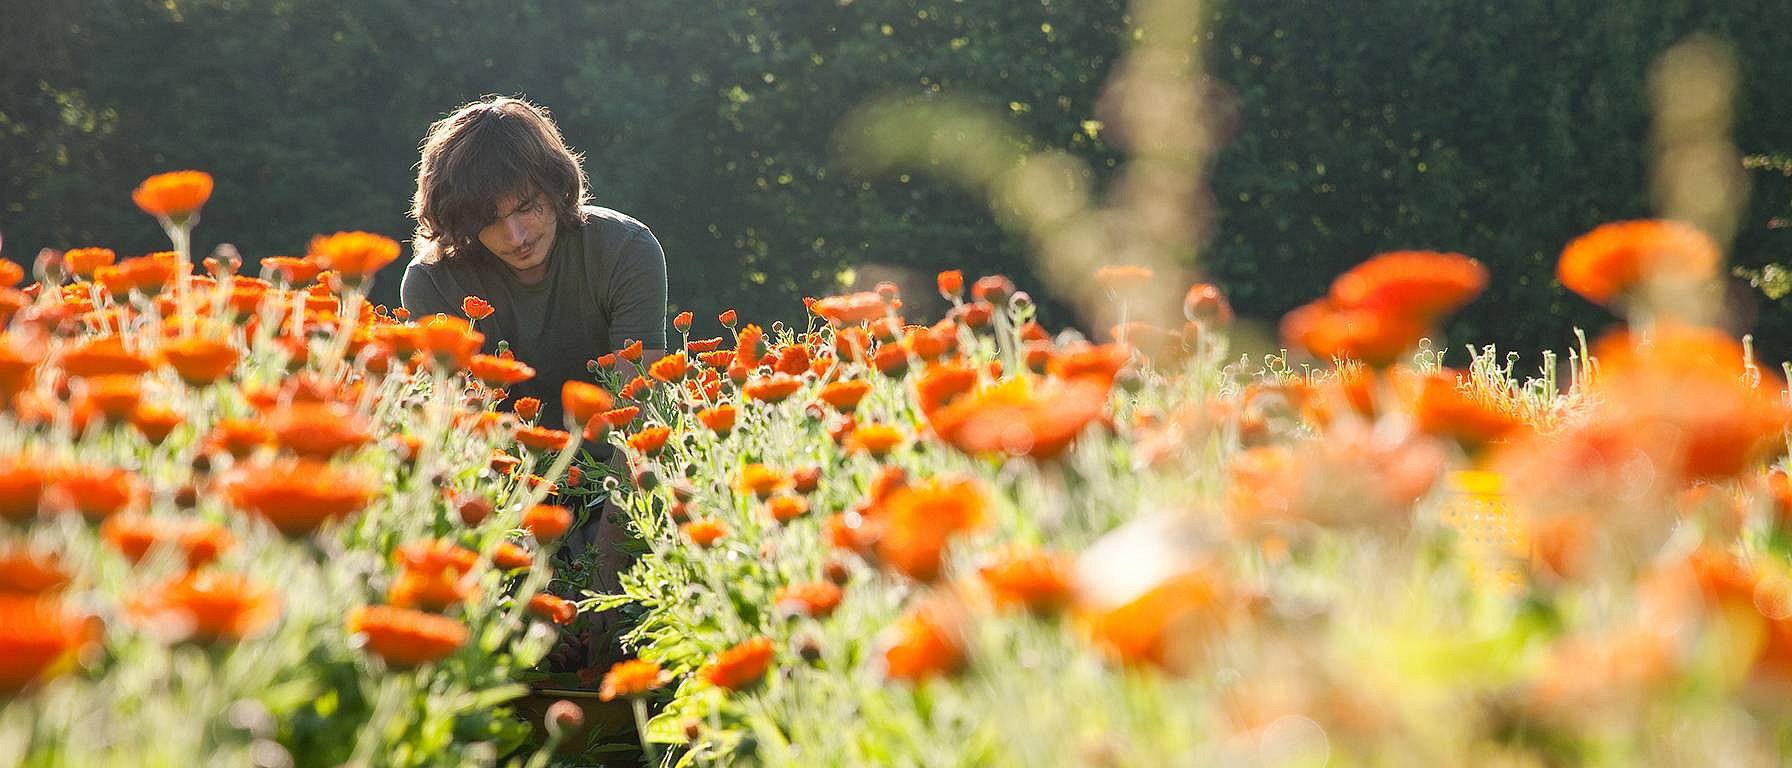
258 521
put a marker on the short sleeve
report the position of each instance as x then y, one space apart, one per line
637 300
420 295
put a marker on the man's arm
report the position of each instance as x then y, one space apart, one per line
638 301
420 295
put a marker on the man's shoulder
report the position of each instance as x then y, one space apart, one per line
609 226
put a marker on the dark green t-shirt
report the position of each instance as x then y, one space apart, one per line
605 286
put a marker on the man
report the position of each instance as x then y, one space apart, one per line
503 213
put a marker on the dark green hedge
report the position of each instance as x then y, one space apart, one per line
1500 129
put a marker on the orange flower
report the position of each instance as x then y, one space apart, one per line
499 372
583 400
405 638
787 508
25 573
618 418
155 422
318 430
1328 331
103 356
1036 581
860 307
1166 625
760 480
705 532
436 575
1444 409
705 347
682 322
926 642
526 408
84 261
940 384
95 492
720 418
1018 418
115 397
805 479
1099 364
553 608
475 308
994 289
543 439
298 497
1613 261
650 441
547 522
238 437
435 555
874 439
816 599
354 255
773 388
198 541
726 318
749 346
914 524
740 667
174 195
200 361
290 271
670 368
10 273
844 396
39 639
449 341
634 388
1421 285
509 557
631 678
209 607
951 283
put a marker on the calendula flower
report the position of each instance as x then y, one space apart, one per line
1328 331
705 532
787 508
774 388
1442 406
354 255
951 284
1614 260
510 557
915 523
103 356
650 441
635 387
874 439
449 341
670 368
1020 418
760 480
703 347
927 642
682 322
39 639
23 572
719 419
1168 624
1422 285
175 195
496 371
1123 278
208 607
113 397
10 273
726 318
1099 364
95 492
239 437
298 497
406 638
860 307
845 395
618 418
749 346
318 430
542 439
200 361
816 599
85 261
547 521
632 351
634 677
1036 581
583 400
553 608
741 666
291 271
154 422
199 541
526 408
475 308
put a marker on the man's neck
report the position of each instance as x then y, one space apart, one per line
531 276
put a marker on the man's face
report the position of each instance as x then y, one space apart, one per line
522 234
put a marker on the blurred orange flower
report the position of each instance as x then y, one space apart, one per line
406 638
704 532
630 678
84 261
874 439
1021 418
786 508
1168 625
23 572
499 372
816 599
553 608
741 666
914 523
583 400
1420 286
542 439
951 283
39 638
208 607
845 395
1121 278
318 430
926 642
353 254
174 195
760 480
95 492
1328 331
773 388
299 496
1036 581
198 541
547 522
720 418
103 356
1612 261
